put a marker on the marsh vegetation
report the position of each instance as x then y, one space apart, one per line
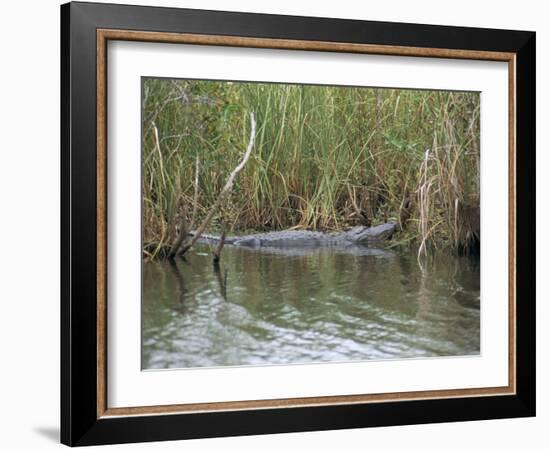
325 158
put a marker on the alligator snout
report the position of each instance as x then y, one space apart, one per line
374 234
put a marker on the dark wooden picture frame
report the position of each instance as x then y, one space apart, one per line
86 29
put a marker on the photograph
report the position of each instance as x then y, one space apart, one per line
298 223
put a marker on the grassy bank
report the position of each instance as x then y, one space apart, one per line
325 158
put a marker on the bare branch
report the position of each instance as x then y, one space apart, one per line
157 146
226 188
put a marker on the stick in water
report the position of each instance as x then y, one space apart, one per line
219 247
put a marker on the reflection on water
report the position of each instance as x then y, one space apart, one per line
312 305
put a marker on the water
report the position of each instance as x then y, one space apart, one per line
305 306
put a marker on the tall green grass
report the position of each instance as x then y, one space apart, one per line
325 158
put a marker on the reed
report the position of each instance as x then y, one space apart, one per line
325 158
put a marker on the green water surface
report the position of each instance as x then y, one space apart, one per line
307 305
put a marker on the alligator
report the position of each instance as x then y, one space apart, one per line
358 235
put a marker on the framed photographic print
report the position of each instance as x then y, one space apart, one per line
277 224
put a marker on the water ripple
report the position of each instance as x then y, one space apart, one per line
271 308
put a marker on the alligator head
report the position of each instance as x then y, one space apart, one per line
365 235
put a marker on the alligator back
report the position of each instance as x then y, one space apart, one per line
300 239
